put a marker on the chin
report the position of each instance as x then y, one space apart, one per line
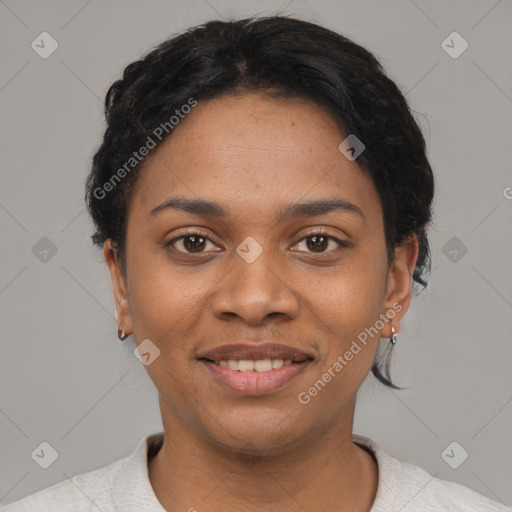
257 432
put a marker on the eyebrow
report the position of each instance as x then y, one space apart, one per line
205 208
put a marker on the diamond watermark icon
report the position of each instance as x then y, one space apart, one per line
44 45
454 249
44 250
249 249
351 147
454 455
45 455
454 45
146 352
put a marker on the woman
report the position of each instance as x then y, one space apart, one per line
262 197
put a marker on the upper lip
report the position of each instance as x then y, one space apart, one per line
255 352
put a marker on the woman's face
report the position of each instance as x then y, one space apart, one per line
255 276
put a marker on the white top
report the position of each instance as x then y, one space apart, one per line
124 486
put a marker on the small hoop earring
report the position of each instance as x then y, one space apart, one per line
393 338
121 334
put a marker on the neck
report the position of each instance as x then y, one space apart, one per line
324 472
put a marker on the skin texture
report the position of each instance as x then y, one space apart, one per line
255 155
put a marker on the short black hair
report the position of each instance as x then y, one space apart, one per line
279 56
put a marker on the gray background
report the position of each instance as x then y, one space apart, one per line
64 376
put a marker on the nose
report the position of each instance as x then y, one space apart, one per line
255 291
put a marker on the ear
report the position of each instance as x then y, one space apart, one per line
119 286
399 285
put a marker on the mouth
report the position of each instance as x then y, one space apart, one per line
253 365
255 369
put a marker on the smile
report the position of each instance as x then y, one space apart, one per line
250 365
254 377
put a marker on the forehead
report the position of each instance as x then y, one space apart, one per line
252 151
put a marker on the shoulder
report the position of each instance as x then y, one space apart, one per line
86 492
122 485
420 489
409 488
457 497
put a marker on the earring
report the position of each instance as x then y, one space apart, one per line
393 338
121 334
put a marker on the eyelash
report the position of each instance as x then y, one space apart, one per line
341 243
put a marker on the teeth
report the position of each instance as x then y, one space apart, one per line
263 365
233 364
245 366
259 365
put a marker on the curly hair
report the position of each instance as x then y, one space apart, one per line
278 56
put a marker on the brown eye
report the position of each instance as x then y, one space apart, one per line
194 243
191 243
318 242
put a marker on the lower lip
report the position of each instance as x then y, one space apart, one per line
255 383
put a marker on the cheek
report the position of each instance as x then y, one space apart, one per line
346 311
354 294
168 306
165 304
162 295
350 306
